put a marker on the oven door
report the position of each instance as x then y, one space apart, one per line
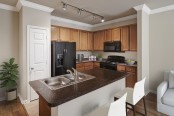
108 66
112 46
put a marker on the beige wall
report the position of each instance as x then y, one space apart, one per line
8 38
28 16
161 46
143 47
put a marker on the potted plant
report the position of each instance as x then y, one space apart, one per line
8 76
99 57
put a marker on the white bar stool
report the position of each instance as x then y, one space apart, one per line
134 95
117 108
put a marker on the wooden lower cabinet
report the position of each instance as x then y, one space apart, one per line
80 66
87 66
96 65
131 79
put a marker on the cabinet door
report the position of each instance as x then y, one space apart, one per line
75 37
54 33
96 65
64 34
90 41
108 35
99 38
125 38
116 34
83 40
133 37
131 79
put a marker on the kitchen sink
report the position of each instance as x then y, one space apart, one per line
65 80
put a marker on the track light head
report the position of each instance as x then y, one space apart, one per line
102 19
64 6
79 11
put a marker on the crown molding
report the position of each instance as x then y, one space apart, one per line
144 8
163 9
7 7
33 5
116 20
19 5
72 22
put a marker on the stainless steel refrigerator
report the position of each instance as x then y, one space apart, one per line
63 57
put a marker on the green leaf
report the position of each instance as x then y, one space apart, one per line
9 74
11 60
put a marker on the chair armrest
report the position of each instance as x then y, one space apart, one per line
161 90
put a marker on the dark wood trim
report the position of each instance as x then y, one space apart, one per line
44 109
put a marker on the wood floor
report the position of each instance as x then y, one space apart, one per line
15 108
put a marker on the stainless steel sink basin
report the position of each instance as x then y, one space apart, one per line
57 82
65 80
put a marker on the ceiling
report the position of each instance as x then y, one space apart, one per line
110 9
9 2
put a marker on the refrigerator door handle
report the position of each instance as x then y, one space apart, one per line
66 50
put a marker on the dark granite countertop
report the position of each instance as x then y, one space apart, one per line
62 95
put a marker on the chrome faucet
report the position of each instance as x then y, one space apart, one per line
74 75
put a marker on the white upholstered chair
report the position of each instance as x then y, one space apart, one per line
134 95
165 94
117 108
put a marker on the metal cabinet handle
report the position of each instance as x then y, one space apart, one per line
32 68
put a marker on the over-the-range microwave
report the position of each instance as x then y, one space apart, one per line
114 46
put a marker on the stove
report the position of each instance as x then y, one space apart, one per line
112 61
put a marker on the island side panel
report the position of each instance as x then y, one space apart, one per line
44 109
88 102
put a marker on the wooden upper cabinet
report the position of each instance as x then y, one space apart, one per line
54 33
83 40
74 37
133 37
99 38
116 34
64 34
108 35
125 38
90 41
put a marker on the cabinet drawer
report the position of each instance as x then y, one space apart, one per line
80 65
131 69
88 67
96 65
88 64
80 69
121 68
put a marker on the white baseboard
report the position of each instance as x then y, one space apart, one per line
152 91
22 100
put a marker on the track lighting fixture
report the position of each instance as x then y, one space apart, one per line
64 6
79 11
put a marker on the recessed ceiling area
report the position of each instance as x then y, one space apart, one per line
9 2
109 9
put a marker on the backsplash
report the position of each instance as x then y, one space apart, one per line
86 53
128 55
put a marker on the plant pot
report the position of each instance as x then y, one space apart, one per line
100 59
11 94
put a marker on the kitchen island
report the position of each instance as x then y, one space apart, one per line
81 98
